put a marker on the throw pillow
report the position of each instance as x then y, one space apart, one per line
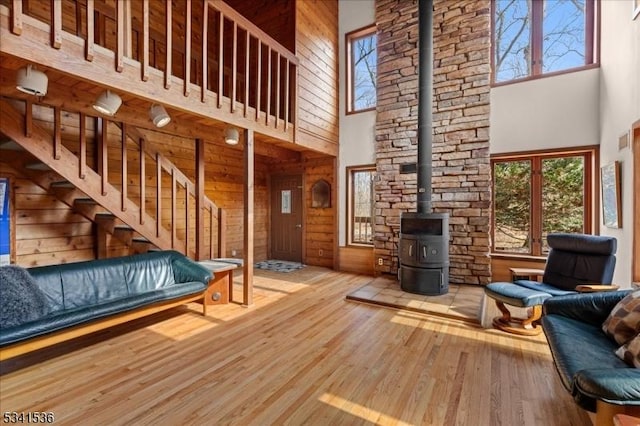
630 353
21 300
623 323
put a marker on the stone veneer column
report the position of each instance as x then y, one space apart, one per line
461 169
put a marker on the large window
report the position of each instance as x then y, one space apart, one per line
360 204
537 194
361 69
535 37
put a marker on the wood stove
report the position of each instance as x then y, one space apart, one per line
424 235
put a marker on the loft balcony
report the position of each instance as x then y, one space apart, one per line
221 68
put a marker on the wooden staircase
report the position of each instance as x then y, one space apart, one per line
89 193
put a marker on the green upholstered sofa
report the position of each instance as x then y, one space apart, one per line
87 296
584 355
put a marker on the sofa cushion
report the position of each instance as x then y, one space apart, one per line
565 335
549 289
630 352
623 322
22 299
149 271
68 318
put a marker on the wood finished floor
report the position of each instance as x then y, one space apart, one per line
300 355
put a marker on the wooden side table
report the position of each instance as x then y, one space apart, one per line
219 287
625 420
526 273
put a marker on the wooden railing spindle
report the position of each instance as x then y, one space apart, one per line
277 111
88 43
187 49
234 67
124 167
28 118
158 193
268 103
16 17
104 155
57 132
246 73
286 95
120 30
205 53
145 40
169 49
82 168
259 78
143 184
56 24
220 60
173 209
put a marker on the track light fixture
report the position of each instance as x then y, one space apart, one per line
32 81
159 115
107 103
231 136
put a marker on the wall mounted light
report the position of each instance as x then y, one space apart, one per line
159 115
107 103
231 136
32 81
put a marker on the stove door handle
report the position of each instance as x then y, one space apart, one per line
411 250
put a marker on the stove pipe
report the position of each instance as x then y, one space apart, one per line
425 105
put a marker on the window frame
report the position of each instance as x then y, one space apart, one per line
350 204
592 43
349 39
591 189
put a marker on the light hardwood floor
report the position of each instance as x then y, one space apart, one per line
301 355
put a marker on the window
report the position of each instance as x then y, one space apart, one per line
360 204
536 37
361 69
537 194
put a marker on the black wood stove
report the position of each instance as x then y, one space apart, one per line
424 235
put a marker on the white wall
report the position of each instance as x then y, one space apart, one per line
546 113
357 131
619 108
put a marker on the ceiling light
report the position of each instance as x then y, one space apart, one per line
32 81
231 136
107 103
159 115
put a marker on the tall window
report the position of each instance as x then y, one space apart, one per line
535 37
361 69
538 194
361 201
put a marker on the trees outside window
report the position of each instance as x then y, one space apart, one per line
360 205
538 194
536 37
361 69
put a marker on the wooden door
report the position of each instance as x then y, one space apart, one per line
286 218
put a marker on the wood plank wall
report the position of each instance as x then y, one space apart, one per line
317 50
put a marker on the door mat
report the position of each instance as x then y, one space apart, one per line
462 302
279 265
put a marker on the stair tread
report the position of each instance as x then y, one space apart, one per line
10 145
37 166
85 201
62 184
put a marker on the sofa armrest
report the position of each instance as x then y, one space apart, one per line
611 385
592 308
186 270
592 288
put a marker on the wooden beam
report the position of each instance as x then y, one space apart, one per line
158 194
200 183
28 118
248 243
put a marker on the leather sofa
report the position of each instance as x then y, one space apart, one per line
85 293
585 357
